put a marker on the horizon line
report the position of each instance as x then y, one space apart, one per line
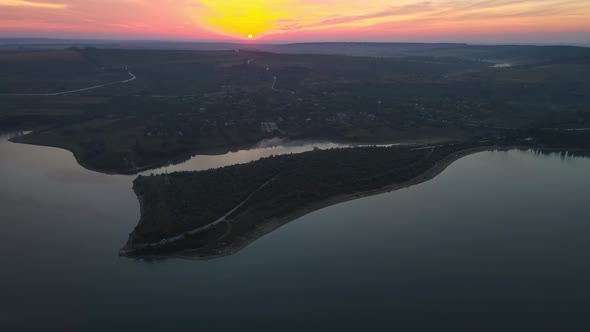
278 42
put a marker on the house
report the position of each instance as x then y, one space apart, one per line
269 127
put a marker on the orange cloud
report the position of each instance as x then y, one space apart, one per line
22 3
385 20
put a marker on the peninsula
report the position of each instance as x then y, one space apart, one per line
212 213
217 212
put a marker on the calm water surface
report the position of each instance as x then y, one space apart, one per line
499 241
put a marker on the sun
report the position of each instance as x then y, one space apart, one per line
250 36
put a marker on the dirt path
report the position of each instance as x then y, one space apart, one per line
131 79
198 230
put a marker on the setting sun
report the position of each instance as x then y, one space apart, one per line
250 36
236 18
302 20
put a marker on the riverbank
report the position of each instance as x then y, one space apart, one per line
214 151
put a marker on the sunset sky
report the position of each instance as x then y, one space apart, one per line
493 21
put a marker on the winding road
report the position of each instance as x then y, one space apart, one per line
131 79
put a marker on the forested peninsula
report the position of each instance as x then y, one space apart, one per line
219 211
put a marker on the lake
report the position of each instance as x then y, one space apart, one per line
498 241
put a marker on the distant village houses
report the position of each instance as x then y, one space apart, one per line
269 127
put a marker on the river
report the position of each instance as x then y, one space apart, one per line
498 241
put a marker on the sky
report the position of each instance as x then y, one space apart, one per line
485 21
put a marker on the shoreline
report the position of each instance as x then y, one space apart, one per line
265 227
268 226
78 160
217 151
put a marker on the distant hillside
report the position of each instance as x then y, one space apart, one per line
359 49
510 54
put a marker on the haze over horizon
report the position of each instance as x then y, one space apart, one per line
284 21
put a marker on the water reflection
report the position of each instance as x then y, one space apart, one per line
263 149
498 234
